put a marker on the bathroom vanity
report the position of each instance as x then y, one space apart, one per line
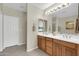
56 46
63 21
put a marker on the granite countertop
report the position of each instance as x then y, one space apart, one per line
64 37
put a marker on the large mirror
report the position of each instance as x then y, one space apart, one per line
62 21
67 19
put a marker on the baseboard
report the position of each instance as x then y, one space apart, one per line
21 44
32 49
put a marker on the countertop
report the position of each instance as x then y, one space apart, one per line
63 37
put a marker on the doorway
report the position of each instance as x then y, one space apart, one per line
11 31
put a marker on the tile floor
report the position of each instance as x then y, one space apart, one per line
20 51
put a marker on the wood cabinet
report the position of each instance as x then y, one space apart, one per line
49 46
57 47
41 43
62 48
70 51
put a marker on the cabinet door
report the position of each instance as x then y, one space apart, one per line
49 42
49 46
39 42
49 50
43 42
70 52
57 49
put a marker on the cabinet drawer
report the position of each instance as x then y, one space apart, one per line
49 50
49 42
68 44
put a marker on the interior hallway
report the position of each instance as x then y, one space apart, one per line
20 51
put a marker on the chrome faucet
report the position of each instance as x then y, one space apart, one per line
67 36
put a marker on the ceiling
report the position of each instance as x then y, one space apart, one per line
22 6
42 6
17 6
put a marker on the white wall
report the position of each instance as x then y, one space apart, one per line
33 14
23 29
0 29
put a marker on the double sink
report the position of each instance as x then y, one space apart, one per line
64 37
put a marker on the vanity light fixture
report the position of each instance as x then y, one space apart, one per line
55 9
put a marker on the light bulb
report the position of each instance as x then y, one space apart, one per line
63 5
59 7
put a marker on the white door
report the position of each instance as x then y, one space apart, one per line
11 31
